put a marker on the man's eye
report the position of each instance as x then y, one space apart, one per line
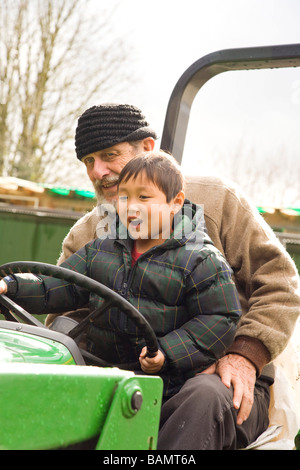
110 155
88 161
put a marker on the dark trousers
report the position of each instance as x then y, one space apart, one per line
201 417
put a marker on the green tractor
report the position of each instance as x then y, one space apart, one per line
55 395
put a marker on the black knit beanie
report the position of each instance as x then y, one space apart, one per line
103 126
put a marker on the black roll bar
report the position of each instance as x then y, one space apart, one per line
184 92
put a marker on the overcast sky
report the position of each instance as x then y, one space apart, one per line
256 111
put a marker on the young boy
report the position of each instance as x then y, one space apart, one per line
162 261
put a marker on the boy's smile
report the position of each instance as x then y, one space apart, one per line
135 222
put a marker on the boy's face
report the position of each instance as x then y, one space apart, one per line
143 209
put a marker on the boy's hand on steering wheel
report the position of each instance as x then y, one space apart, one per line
3 287
151 365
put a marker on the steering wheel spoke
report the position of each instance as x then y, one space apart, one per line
78 329
18 312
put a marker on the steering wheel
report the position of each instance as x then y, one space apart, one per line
110 297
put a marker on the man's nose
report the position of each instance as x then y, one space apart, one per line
100 169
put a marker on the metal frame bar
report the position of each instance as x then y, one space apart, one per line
184 92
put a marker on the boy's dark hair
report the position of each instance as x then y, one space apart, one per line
160 168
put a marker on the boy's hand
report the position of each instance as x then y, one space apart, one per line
151 365
3 287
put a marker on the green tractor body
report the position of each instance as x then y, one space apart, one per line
50 400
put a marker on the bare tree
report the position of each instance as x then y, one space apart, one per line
55 56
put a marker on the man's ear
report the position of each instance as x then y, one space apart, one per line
148 144
178 202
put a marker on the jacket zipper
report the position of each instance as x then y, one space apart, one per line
127 283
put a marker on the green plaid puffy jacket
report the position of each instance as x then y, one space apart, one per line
182 287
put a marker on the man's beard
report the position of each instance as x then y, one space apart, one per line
99 191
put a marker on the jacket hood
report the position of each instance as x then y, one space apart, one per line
189 223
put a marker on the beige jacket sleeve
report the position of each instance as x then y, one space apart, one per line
80 234
265 275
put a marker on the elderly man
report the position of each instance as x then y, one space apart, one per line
226 407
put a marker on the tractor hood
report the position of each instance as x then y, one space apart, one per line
31 344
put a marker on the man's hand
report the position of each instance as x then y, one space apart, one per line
3 287
151 365
237 371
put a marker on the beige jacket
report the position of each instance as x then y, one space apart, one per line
265 275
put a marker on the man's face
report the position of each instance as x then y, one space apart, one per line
104 167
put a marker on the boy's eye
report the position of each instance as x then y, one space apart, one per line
122 198
142 196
